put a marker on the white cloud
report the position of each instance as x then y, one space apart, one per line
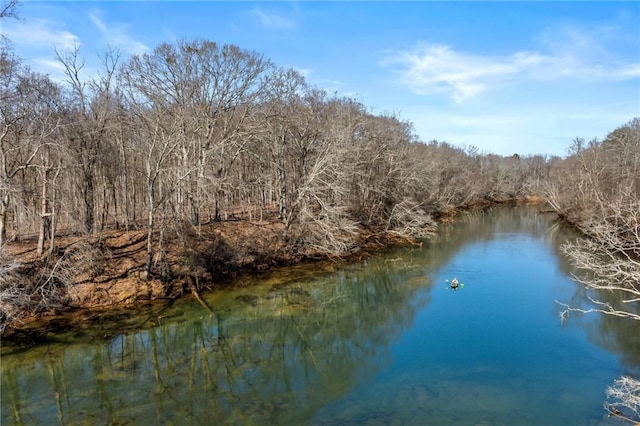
117 35
97 22
39 33
52 67
274 21
51 64
628 71
439 69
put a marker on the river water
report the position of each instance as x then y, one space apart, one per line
383 341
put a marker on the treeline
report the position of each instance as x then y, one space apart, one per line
195 132
598 179
597 188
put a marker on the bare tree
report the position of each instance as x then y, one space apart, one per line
13 300
609 194
90 119
611 258
282 103
159 146
12 113
9 9
623 399
318 219
210 89
30 112
603 200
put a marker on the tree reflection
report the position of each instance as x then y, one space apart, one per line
618 335
272 353
298 347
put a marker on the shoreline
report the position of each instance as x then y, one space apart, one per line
212 259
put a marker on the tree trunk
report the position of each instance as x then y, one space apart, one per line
150 224
45 215
89 202
281 179
125 185
4 209
282 192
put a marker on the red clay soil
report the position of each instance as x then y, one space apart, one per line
215 254
107 270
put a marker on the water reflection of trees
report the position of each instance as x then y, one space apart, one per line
272 354
618 335
486 225
291 351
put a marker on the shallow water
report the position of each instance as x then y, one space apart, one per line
383 341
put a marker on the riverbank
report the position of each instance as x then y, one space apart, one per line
106 271
389 322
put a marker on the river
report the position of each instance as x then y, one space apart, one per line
381 341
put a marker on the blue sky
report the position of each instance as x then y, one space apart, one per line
506 77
